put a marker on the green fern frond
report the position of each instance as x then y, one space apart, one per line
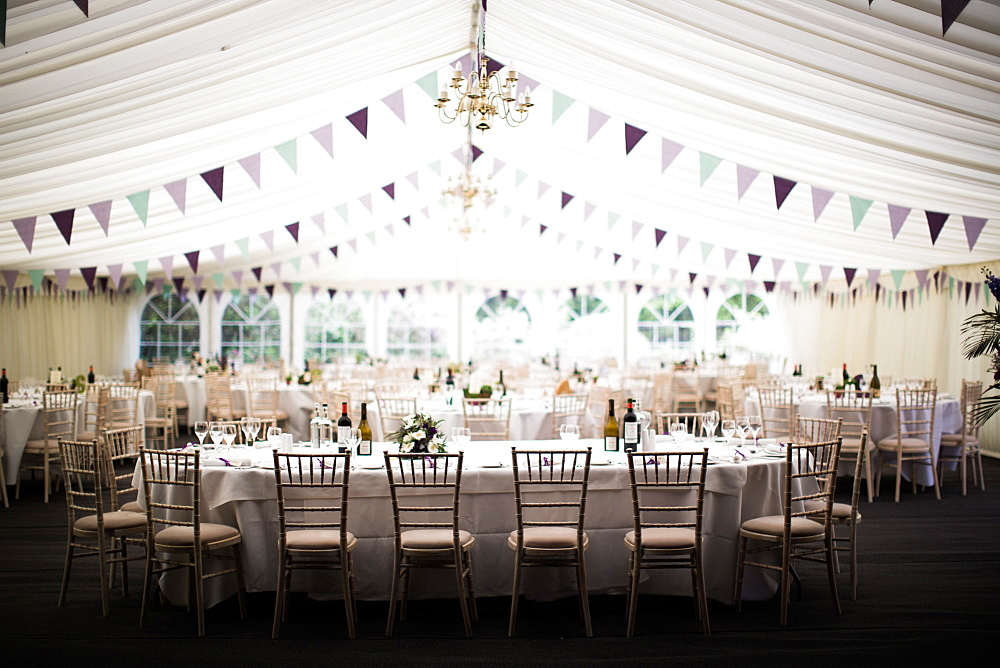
982 334
987 406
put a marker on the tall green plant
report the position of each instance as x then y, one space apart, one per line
982 337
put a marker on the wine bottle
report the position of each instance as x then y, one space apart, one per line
630 428
4 386
52 376
875 385
416 374
365 446
501 387
611 429
90 375
343 424
847 376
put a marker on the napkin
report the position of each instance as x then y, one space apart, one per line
563 387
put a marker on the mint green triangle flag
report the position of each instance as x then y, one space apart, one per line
951 287
138 285
706 248
167 289
428 83
579 245
217 279
607 286
244 246
367 294
468 289
235 292
656 268
859 207
897 276
436 286
296 263
371 237
802 267
141 270
560 103
805 288
707 164
920 294
436 167
296 287
612 219
341 210
140 203
36 276
519 178
289 151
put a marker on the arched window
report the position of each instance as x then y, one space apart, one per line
740 309
582 330
334 330
501 329
251 330
667 323
416 329
170 329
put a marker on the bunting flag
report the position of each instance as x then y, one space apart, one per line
192 259
366 201
801 268
141 270
824 273
849 273
973 228
897 216
62 278
178 192
681 243
324 137
897 277
359 119
776 266
167 264
102 212
820 198
782 187
659 236
88 274
935 223
428 84
541 230
238 277
560 103
289 152
706 165
244 246
542 188
406 219
950 10
669 150
276 268
293 229
220 255
251 165
636 229
214 179
84 6
595 121
268 238
3 22
730 255
140 204
25 228
706 250
395 103
10 277
64 221
753 259
390 190
632 137
859 207
476 152
566 199
744 178
257 271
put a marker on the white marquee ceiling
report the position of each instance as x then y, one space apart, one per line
870 103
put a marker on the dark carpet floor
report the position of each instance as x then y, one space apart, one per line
930 593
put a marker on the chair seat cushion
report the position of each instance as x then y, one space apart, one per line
318 539
434 539
86 436
774 525
955 440
114 521
548 538
850 444
132 507
180 404
41 446
663 538
212 536
840 512
908 444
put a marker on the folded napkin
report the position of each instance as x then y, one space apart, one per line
563 387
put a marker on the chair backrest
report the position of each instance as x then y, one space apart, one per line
413 481
121 445
393 409
487 419
537 473
653 475
691 420
165 392
810 475
262 393
568 409
972 391
298 478
597 403
686 385
81 468
219 396
176 477
816 430
95 409
123 405
854 408
915 414
59 414
777 411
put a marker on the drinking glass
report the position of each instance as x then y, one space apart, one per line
678 432
461 435
215 433
352 438
742 429
254 428
245 428
569 432
709 421
755 426
201 431
229 435
728 429
273 437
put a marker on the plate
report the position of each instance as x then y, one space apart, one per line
371 466
495 465
607 463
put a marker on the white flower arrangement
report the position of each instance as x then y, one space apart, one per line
419 433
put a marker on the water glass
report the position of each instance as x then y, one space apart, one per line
273 437
215 433
461 435
728 429
709 421
678 432
569 432
201 431
352 438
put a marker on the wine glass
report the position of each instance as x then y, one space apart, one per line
352 437
461 435
569 432
229 435
215 433
728 429
255 424
273 437
755 426
678 432
245 428
201 431
742 428
709 421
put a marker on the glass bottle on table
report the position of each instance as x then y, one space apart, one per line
630 428
343 424
875 385
611 429
365 445
315 423
327 436
90 376
4 386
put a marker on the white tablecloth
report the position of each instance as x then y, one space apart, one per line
245 498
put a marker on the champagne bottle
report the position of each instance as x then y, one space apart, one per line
630 429
875 385
4 386
611 429
365 446
343 424
90 375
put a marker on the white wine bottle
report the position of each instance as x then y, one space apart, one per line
365 446
611 429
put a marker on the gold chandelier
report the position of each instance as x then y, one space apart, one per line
484 95
468 190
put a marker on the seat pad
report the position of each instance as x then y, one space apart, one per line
774 525
664 538
114 521
908 444
212 535
434 539
318 539
841 511
548 538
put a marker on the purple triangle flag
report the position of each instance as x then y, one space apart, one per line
632 137
497 166
541 230
935 223
353 243
414 179
659 236
333 249
62 277
331 293
198 280
268 238
390 190
270 290
566 199
781 189
753 259
251 165
366 201
873 275
168 266
849 273
64 221
617 257
776 265
214 178
681 243
395 102
359 119
636 228
406 219
238 277
691 277
950 9
10 277
84 6
25 228
320 220
897 216
293 229
257 271
178 192
542 188
669 150
88 274
402 292
730 254
744 177
769 286
324 136
115 275
973 228
476 152
192 259
220 255
921 275
588 209
595 122
102 212
824 272
820 198
276 268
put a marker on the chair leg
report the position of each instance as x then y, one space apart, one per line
394 594
470 587
854 560
102 564
462 600
147 577
405 590
703 595
830 552
581 578
66 570
345 580
515 593
3 486
634 568
937 483
965 459
738 595
628 582
45 476
199 591
786 578
241 586
979 459
868 475
279 595
899 479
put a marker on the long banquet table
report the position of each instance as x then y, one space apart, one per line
245 498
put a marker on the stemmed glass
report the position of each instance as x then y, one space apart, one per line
742 428
201 430
215 433
709 421
678 432
245 428
728 429
352 438
569 432
461 435
254 429
756 423
273 437
229 435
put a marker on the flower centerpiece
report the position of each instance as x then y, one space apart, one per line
419 433
982 337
